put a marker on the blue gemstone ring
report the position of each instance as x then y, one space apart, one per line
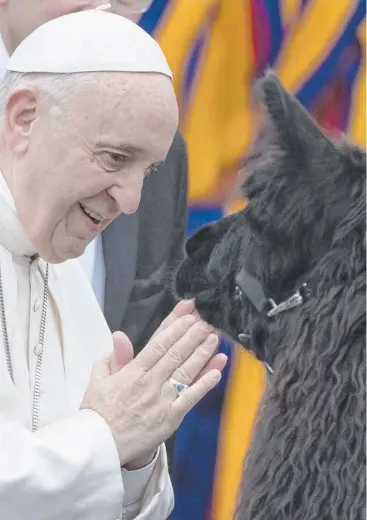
180 387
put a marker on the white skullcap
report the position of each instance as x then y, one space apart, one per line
89 41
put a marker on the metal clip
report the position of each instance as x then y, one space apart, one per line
293 301
268 368
238 293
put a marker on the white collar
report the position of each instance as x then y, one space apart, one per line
12 234
4 58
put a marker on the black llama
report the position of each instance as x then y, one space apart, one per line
286 278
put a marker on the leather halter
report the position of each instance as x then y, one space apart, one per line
249 286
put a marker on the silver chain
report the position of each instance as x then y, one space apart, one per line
5 328
38 349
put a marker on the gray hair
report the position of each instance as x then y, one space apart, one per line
58 89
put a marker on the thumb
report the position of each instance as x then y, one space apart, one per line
100 369
123 352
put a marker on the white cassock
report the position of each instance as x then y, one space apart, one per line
69 468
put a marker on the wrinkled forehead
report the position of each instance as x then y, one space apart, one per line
139 108
151 93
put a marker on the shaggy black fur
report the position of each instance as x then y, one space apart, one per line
304 222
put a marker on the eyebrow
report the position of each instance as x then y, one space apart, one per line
126 147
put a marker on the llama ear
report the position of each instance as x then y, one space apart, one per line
296 132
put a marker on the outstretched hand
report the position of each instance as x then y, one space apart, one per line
123 350
136 397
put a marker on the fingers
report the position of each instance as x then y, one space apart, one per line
197 336
196 314
123 351
218 362
191 368
194 393
183 308
160 344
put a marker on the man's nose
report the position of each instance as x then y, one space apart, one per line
127 196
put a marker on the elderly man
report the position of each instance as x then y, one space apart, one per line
129 281
86 110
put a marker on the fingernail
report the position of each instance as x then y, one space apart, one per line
212 339
217 376
185 303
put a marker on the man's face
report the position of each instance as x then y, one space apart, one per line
24 16
93 159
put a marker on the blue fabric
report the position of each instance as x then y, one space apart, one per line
275 28
199 216
153 16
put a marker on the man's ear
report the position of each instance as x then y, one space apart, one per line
20 115
296 132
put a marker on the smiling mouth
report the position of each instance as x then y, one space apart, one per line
92 215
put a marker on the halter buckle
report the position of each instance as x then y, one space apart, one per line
298 298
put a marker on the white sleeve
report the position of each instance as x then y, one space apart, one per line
70 470
67 470
148 491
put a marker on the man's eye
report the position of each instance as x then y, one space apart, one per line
114 159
